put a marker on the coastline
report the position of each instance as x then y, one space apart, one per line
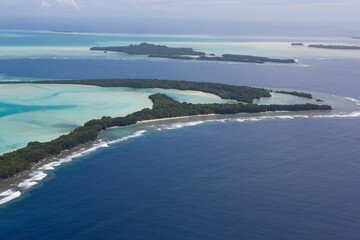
37 164
27 176
21 174
34 165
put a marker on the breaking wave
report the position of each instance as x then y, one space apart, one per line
36 176
357 102
8 196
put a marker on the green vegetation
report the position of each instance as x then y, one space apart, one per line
225 91
299 94
172 57
148 49
340 47
158 51
163 107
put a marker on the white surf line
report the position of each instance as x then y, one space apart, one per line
136 134
181 125
39 174
259 118
6 193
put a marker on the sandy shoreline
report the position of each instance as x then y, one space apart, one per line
170 118
199 115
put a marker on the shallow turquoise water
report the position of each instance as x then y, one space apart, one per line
10 109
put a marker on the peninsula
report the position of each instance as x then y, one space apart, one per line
298 94
338 47
23 159
158 51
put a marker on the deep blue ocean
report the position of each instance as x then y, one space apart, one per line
281 179
293 179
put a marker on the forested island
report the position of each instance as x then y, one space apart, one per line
339 47
298 94
23 159
297 44
149 49
158 51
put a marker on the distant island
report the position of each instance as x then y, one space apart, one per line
151 49
158 51
172 57
18 161
339 47
61 31
297 44
356 37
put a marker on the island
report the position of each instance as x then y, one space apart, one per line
245 58
298 94
150 49
61 31
297 44
158 51
356 37
23 159
337 47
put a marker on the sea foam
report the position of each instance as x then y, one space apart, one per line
6 193
181 125
136 134
34 179
10 197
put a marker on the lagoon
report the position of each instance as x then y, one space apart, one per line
18 44
44 112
